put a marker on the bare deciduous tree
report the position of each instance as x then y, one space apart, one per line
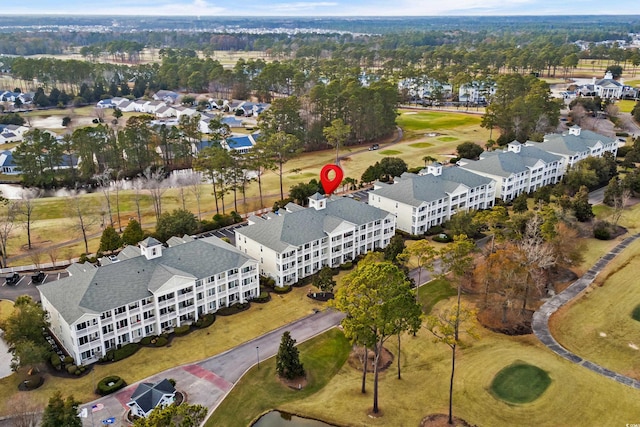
27 207
52 252
8 212
194 181
154 182
85 217
104 181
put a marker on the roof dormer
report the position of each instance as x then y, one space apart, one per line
317 201
151 248
575 130
434 169
514 147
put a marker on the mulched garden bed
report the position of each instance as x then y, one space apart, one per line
356 358
320 296
442 420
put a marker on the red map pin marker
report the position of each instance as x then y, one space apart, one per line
330 184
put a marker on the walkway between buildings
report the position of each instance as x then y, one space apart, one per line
540 323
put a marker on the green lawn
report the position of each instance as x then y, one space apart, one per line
260 391
390 152
413 121
600 326
421 145
520 383
626 105
433 292
447 138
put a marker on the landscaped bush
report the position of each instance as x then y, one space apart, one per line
622 134
68 360
172 381
146 340
55 361
266 281
182 330
72 369
125 351
110 384
262 298
233 309
346 266
436 229
602 230
161 341
205 321
635 314
282 289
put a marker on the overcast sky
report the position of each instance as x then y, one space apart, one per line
321 7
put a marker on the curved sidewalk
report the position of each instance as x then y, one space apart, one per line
540 323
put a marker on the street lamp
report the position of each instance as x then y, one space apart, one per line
258 355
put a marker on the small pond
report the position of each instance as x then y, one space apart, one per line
282 419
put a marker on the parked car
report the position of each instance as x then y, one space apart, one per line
12 279
38 277
374 147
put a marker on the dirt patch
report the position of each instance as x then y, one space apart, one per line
55 122
509 322
295 383
442 420
356 359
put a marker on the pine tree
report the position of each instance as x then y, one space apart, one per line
61 412
288 359
132 233
110 240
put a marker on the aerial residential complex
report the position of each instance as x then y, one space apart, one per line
148 290
422 201
296 242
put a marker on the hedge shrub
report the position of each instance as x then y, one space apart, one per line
161 341
182 330
602 231
282 289
72 369
146 340
442 238
55 361
262 298
233 309
116 384
205 321
123 352
346 266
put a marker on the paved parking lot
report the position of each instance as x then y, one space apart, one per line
25 285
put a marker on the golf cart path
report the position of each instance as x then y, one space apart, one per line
540 323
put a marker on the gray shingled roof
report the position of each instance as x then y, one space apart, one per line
302 226
95 290
416 189
572 144
504 164
148 395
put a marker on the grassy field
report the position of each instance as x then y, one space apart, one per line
599 326
225 333
424 388
259 390
626 105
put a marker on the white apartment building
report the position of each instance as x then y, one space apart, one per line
150 289
296 242
422 201
577 144
519 169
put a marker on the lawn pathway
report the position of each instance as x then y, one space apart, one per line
540 323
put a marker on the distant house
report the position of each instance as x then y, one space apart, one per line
165 112
608 87
148 396
127 106
7 165
167 96
477 92
105 103
240 143
232 122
